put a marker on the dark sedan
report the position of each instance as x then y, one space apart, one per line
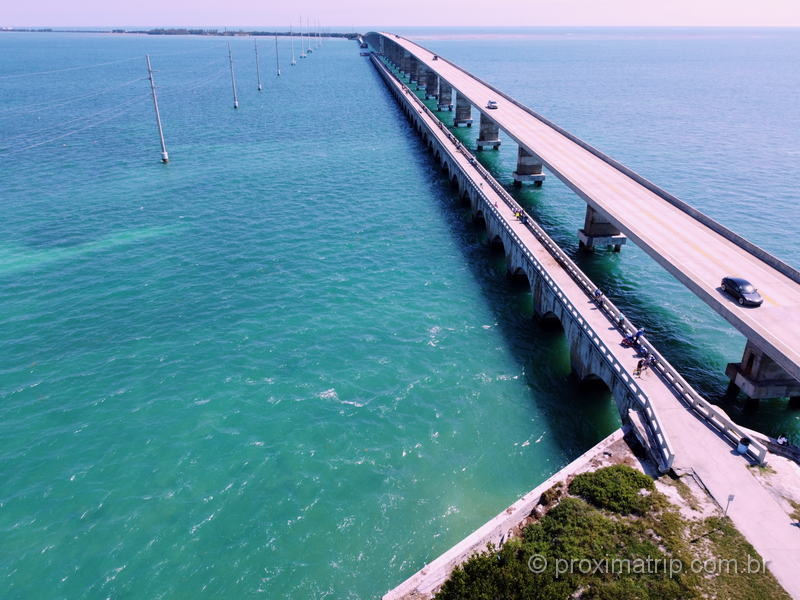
742 290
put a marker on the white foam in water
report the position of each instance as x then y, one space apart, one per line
328 395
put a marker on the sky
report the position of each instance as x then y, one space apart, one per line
360 14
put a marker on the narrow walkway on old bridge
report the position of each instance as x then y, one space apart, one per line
695 436
697 250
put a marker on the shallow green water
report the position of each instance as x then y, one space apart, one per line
287 364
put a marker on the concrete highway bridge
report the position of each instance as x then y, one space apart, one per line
622 205
679 429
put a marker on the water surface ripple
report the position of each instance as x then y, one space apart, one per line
287 365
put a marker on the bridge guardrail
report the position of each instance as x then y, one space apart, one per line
712 224
660 437
718 418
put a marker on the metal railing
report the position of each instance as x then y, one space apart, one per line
669 374
768 258
666 455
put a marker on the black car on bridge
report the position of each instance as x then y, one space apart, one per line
742 290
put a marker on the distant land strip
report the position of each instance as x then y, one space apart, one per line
177 31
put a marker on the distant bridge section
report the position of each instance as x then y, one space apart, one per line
623 205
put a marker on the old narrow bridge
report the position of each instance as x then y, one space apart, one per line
679 428
621 204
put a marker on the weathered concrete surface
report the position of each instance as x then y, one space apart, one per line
445 96
489 136
422 77
529 168
758 376
685 242
698 448
598 231
463 116
405 62
413 69
431 85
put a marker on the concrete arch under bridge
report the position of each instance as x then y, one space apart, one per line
586 361
615 196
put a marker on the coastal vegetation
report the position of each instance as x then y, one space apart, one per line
612 535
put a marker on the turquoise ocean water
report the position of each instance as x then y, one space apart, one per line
287 365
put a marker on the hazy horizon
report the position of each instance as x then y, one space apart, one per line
424 30
411 13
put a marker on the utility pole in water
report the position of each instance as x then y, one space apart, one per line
277 59
291 34
164 155
233 78
258 71
302 44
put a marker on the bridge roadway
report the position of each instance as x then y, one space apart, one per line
690 250
698 448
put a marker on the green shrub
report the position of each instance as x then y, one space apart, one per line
617 488
574 529
552 494
571 530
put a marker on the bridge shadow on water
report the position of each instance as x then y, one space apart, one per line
702 366
578 414
674 337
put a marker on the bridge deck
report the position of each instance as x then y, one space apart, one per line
694 253
697 447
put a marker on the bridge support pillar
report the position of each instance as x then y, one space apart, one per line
445 96
405 62
599 231
422 81
529 168
463 112
414 67
489 136
431 85
422 75
758 376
